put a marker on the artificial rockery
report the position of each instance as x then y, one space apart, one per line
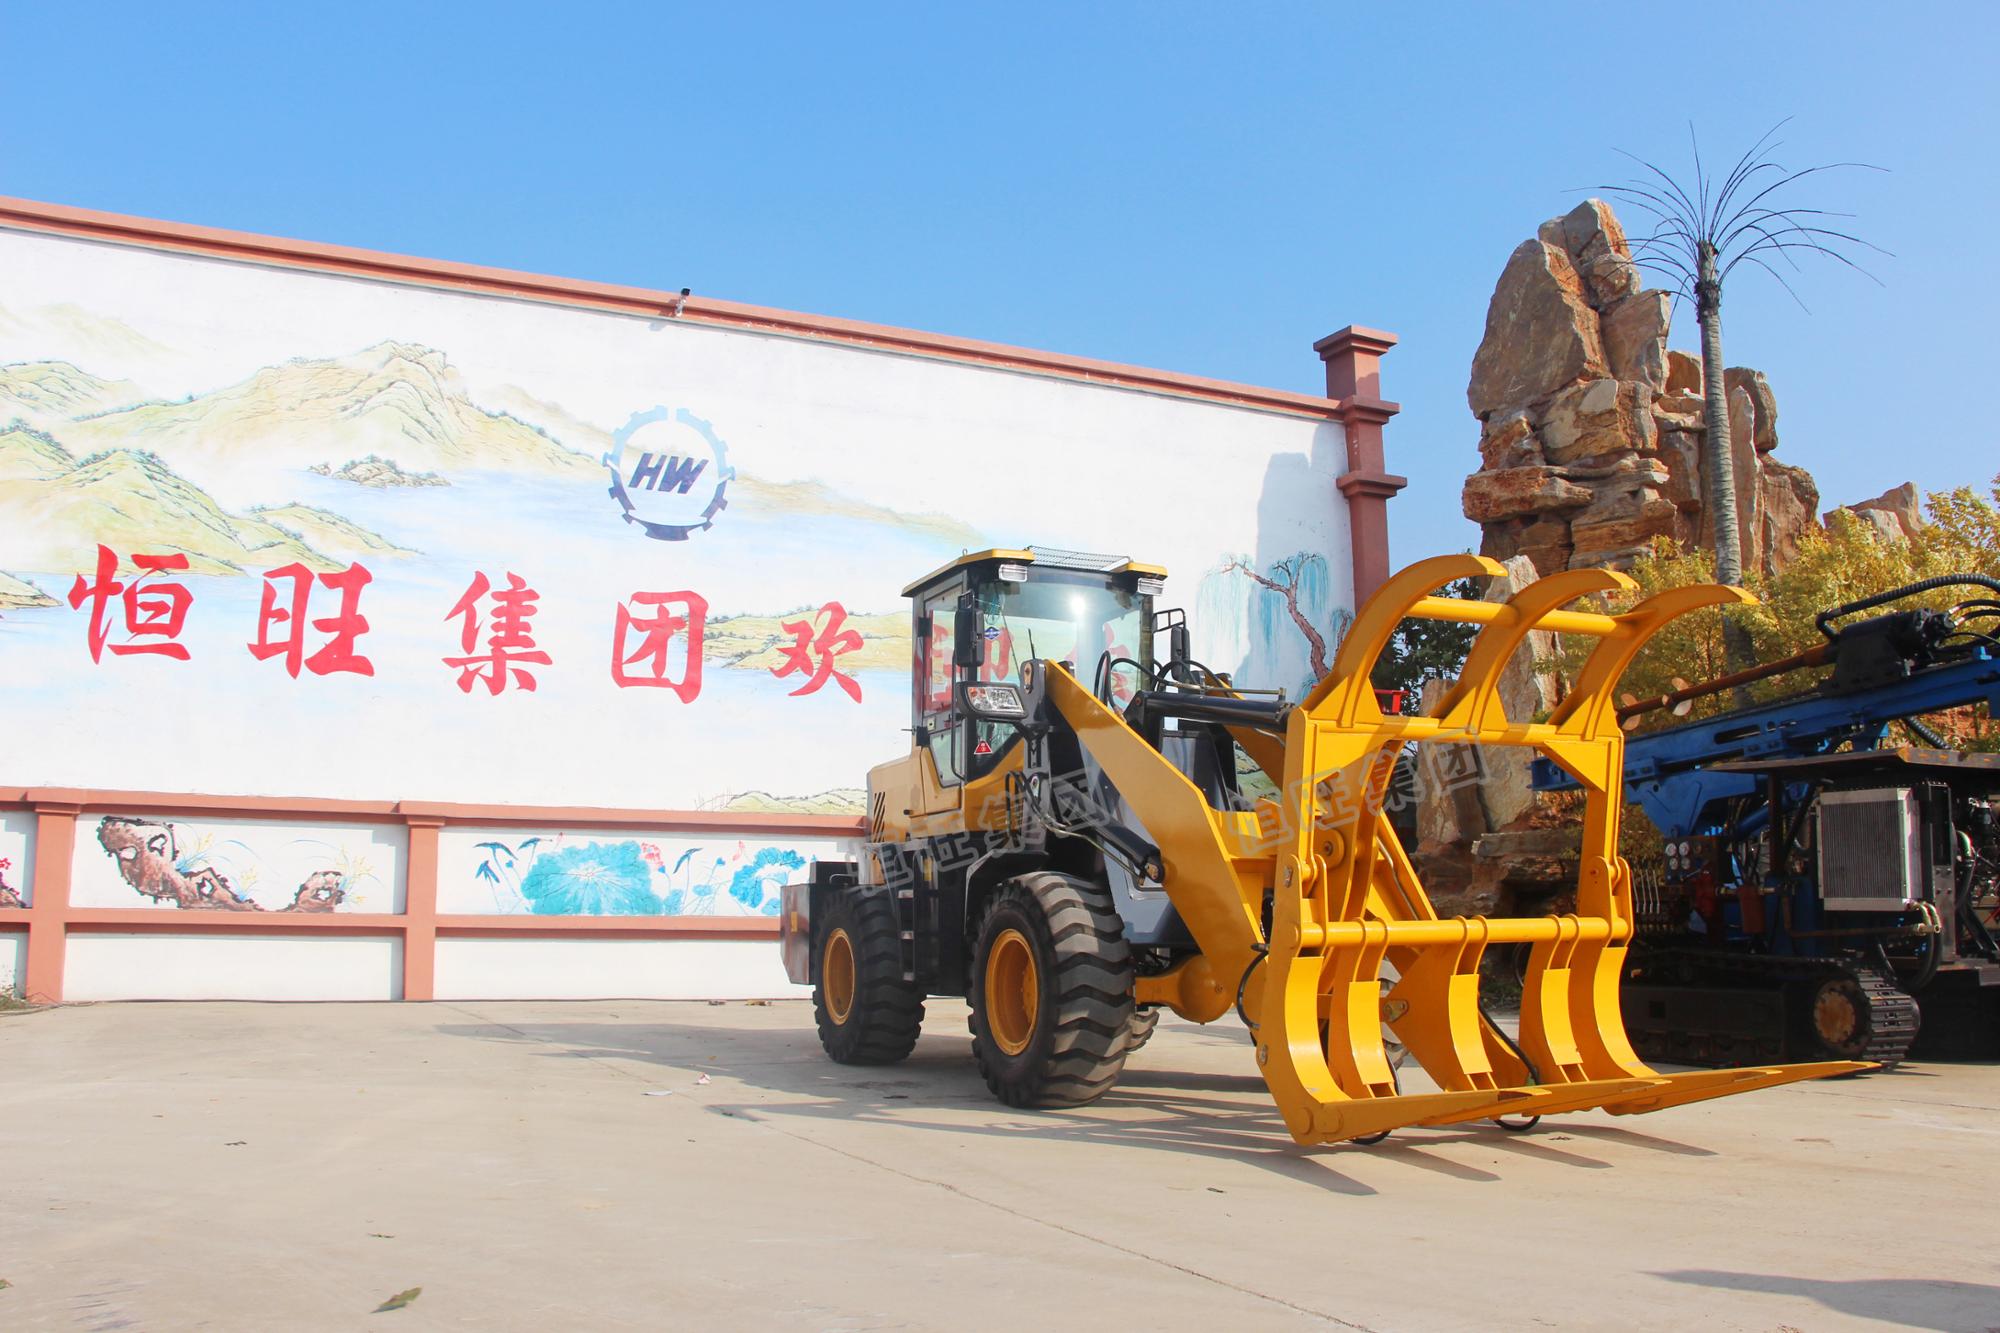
1591 445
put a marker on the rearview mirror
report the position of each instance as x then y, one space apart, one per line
965 633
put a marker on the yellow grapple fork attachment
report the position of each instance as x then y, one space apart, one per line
1345 898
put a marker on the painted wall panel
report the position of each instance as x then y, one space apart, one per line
556 872
236 966
250 865
501 969
275 532
17 858
13 961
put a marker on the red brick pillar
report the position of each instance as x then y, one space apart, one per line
420 896
1353 359
48 910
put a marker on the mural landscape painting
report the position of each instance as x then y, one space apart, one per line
480 550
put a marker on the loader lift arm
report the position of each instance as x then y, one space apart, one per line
1071 843
1344 899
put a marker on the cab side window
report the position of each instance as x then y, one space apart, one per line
935 679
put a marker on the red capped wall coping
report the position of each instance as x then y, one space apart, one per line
1353 355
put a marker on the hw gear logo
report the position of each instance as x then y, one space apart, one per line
669 472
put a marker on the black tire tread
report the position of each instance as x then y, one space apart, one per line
1092 1031
888 1013
1141 1031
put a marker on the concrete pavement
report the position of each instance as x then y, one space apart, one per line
257 1167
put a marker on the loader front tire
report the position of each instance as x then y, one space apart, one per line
1051 992
866 1013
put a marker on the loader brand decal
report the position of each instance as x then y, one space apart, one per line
669 473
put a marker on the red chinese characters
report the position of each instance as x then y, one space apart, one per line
651 615
658 639
510 642
343 628
812 655
154 611
996 660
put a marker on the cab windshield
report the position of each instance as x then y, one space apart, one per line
1072 619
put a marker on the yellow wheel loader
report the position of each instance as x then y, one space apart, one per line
1091 827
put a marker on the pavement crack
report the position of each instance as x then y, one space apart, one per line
1031 1218
1880 1100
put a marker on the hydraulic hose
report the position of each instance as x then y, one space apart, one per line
1524 1123
1927 970
1925 734
1825 618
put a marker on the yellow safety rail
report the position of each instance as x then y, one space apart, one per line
1345 899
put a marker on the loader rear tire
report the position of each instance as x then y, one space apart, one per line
1141 1031
1051 992
866 1012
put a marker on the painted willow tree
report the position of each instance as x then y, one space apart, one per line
1704 229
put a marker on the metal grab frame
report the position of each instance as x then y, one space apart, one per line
1345 898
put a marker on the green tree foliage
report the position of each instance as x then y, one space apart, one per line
1845 561
1427 649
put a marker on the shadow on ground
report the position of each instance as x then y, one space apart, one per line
1947 1306
1218 1115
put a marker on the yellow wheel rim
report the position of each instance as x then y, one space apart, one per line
836 975
1013 991
1836 1017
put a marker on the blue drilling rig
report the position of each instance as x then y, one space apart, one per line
1823 892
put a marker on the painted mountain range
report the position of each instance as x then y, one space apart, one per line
391 414
16 594
67 330
397 401
55 509
45 393
833 801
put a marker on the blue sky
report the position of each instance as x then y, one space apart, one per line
1202 188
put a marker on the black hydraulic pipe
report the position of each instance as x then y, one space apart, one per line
1925 734
1228 711
1825 618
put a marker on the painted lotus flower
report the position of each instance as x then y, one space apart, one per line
756 885
591 879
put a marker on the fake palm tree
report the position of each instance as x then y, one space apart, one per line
1705 228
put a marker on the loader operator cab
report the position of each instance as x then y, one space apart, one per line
982 617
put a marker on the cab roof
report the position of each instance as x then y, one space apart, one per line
1045 557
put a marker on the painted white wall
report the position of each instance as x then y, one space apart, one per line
17 853
904 461
14 961
502 969
231 967
922 458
